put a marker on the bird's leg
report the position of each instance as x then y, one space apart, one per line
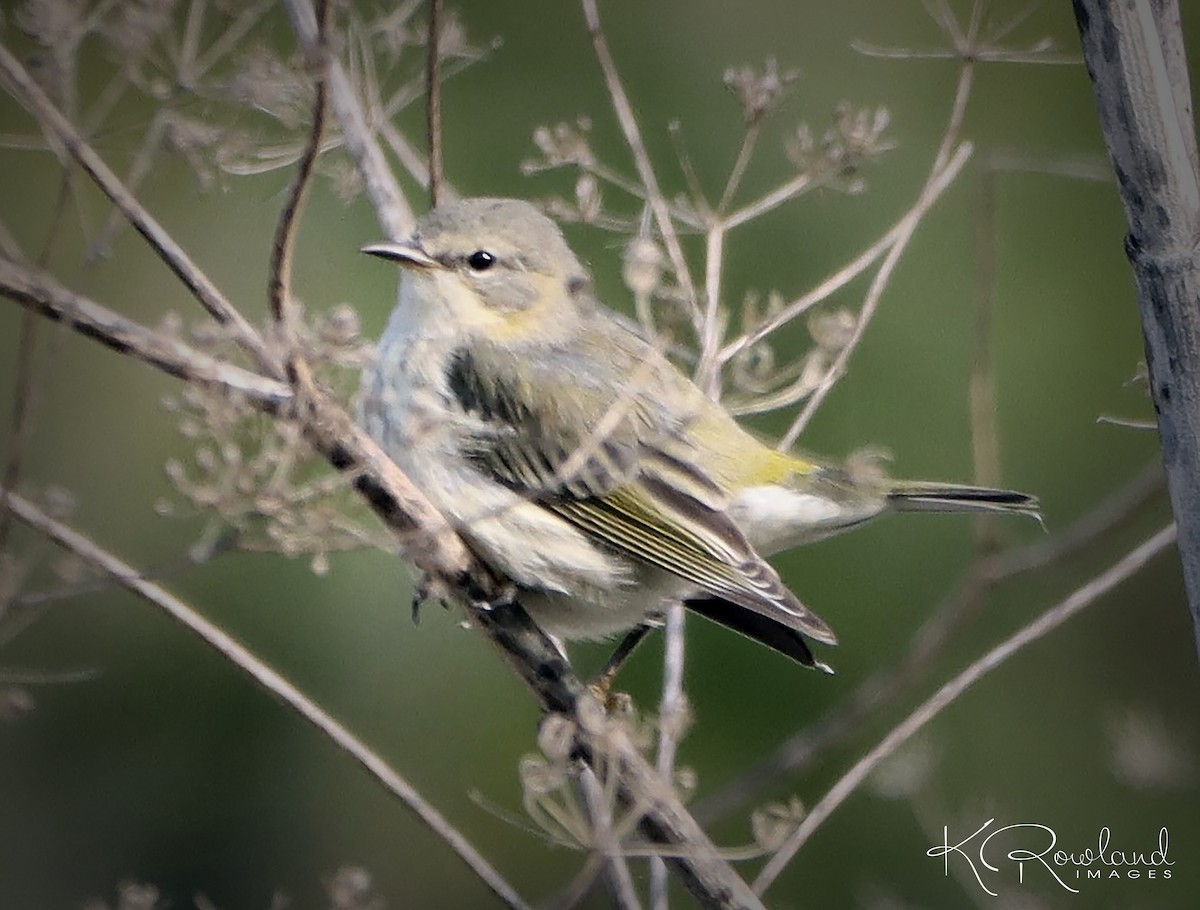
601 685
420 594
425 589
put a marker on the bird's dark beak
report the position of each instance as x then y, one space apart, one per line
405 252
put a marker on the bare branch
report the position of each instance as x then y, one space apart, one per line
29 93
851 270
620 881
670 719
641 159
1081 598
279 290
941 178
433 102
270 680
391 208
39 292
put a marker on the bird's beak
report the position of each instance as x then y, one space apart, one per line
404 252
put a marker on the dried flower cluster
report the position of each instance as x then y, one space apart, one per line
254 475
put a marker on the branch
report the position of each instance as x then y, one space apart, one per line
1135 57
641 159
262 674
433 102
945 696
29 94
391 208
942 176
39 292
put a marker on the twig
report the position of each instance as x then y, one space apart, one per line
40 293
981 394
29 94
749 142
270 680
391 208
279 292
940 179
951 155
608 845
641 159
846 273
708 371
771 200
1082 597
433 101
670 711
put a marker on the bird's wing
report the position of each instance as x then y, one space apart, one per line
614 464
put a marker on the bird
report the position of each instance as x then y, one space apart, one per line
579 462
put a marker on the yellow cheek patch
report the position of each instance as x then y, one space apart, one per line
542 317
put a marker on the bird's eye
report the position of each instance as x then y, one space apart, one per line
481 261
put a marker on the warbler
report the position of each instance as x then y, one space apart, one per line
582 465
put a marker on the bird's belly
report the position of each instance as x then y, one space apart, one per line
603 614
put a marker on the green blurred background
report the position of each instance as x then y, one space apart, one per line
170 767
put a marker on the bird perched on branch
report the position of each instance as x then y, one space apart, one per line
579 462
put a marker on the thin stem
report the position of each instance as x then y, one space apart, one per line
785 192
391 208
279 290
433 102
949 152
870 303
670 714
1082 597
28 93
641 159
850 270
708 374
745 153
608 843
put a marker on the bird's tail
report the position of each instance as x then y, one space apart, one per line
918 496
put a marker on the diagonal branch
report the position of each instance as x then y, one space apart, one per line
269 679
39 292
387 199
1082 597
641 158
29 94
